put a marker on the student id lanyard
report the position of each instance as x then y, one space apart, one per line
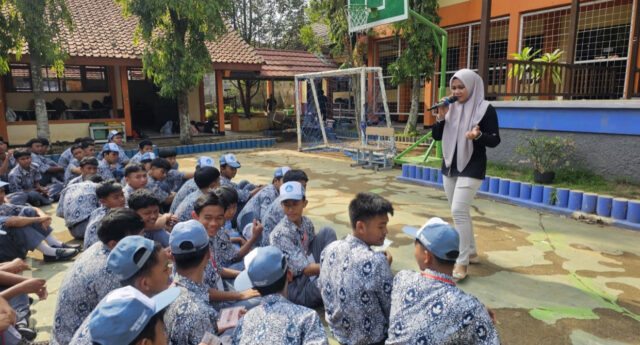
439 278
219 283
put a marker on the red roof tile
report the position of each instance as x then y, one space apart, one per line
288 63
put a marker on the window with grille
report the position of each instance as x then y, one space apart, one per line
19 78
73 79
96 78
135 73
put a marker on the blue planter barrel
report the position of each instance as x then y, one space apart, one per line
536 193
405 170
426 173
603 207
547 195
434 175
484 187
503 189
633 211
440 176
525 191
412 171
494 185
589 202
563 197
619 208
514 189
575 200
203 147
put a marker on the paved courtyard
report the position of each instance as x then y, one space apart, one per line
550 280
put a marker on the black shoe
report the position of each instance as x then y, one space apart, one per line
67 246
26 332
62 254
30 301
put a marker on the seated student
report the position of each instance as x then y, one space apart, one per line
146 160
66 155
147 206
7 162
190 316
157 184
117 138
277 320
73 167
228 169
76 203
206 179
274 213
356 281
90 279
24 182
190 185
139 263
297 239
108 166
209 211
226 253
110 195
26 228
14 289
49 169
88 167
135 177
145 146
89 147
175 178
427 307
259 203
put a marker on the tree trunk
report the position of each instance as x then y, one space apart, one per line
415 101
42 119
185 123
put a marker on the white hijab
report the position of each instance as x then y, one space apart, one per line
461 118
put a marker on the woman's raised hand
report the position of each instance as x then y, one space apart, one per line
442 111
474 133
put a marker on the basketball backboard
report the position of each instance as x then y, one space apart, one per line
377 12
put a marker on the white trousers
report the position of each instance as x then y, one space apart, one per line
460 192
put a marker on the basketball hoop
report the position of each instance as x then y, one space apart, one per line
357 15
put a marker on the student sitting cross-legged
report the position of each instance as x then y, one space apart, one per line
108 166
135 177
175 178
110 195
73 168
274 212
51 172
90 279
144 147
66 155
76 203
206 179
190 185
157 184
117 138
88 166
147 206
297 239
355 280
427 307
24 182
276 320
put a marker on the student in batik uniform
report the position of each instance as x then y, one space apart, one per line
148 207
50 171
135 177
66 155
157 184
88 167
73 168
117 138
274 213
110 195
190 185
206 179
145 146
24 182
76 203
108 166
175 178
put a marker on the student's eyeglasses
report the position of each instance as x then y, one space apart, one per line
454 88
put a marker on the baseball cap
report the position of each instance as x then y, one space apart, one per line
110 147
2 184
188 237
437 236
121 259
124 313
281 171
205 161
291 190
113 133
264 267
229 159
147 156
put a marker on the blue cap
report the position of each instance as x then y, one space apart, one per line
281 171
188 237
113 133
121 260
147 156
2 184
111 147
263 268
205 161
229 159
124 313
291 191
437 236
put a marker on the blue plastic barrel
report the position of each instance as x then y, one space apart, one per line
536 193
525 191
434 175
563 197
633 211
503 189
619 208
547 195
494 185
514 189
426 173
575 200
405 170
484 187
439 176
589 202
603 208
412 171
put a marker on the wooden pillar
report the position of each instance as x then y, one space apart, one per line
634 60
3 109
404 100
513 42
269 88
124 85
483 54
203 110
429 119
220 100
111 70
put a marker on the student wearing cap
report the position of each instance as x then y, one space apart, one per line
88 167
111 196
274 212
296 237
90 279
6 159
175 178
261 201
355 280
135 177
24 182
73 167
157 184
146 160
139 263
228 169
147 206
276 320
190 185
190 316
49 169
427 307
206 179
108 166
26 228
117 138
144 147
76 203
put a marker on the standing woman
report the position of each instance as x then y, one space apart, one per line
466 128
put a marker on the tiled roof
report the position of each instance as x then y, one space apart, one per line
101 30
288 63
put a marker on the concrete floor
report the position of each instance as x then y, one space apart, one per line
550 280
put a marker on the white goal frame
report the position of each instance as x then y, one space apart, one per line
362 72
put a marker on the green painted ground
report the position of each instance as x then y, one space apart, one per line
550 280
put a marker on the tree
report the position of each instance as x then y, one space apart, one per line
418 58
175 54
39 24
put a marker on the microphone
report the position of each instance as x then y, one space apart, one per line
444 103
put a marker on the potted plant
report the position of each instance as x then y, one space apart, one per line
546 154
